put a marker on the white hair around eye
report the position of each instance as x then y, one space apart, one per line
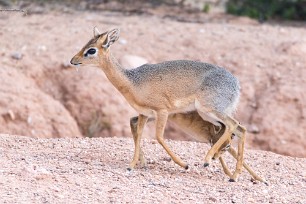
91 52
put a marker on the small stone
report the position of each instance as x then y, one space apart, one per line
66 65
123 41
42 48
17 55
40 173
11 114
113 190
154 142
55 188
282 30
87 161
253 129
212 199
202 30
254 181
167 159
151 161
29 120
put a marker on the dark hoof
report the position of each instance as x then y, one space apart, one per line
206 164
186 167
129 169
266 183
213 158
232 180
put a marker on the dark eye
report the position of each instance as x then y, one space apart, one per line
91 51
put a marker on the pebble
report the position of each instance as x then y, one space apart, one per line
212 199
11 114
29 120
123 41
254 129
42 48
66 65
17 55
202 31
168 159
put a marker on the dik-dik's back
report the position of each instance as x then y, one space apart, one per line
188 80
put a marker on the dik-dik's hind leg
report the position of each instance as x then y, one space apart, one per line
225 168
239 158
137 125
161 121
233 152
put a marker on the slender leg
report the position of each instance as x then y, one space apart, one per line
161 121
233 152
133 126
216 118
215 148
137 137
240 154
225 168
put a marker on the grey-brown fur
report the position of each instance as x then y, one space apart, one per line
220 88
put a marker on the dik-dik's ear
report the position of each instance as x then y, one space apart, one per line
111 37
96 32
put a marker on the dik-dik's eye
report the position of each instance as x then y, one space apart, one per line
89 52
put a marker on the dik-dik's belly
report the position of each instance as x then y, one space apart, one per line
149 103
144 110
150 110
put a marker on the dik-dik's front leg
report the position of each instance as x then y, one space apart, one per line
161 120
137 124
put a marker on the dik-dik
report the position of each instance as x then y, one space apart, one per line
173 87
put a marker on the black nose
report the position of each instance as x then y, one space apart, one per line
74 63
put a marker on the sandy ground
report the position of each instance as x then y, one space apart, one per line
94 171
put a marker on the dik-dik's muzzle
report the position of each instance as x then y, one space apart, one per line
75 61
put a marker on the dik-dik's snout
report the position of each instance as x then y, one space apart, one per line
75 60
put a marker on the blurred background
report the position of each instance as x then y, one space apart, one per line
262 42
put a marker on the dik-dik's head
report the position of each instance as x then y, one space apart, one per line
96 48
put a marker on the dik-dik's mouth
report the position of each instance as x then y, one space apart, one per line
76 64
74 61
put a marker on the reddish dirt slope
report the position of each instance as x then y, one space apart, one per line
26 110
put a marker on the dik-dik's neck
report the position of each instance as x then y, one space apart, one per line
115 73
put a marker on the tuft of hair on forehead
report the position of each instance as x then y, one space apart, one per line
95 39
